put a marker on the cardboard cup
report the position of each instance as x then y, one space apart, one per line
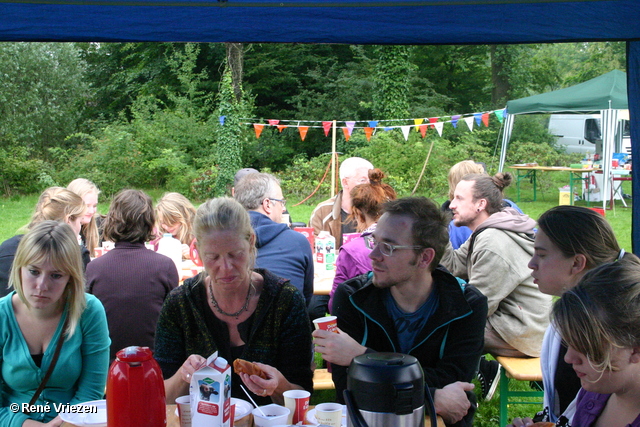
275 415
98 251
329 414
184 410
297 401
327 323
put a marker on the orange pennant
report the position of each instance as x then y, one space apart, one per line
327 127
423 130
280 127
273 122
432 120
347 134
303 131
485 119
258 128
368 131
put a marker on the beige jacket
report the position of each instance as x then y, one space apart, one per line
326 217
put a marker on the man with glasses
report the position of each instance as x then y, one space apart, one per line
409 304
281 250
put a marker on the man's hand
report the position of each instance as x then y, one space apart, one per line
339 348
521 422
451 402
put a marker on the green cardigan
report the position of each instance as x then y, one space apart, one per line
79 375
277 334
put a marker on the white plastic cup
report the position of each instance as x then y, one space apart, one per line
297 401
275 415
184 410
329 414
327 323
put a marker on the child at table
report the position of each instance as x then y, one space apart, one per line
600 321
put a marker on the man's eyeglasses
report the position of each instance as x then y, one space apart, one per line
283 201
386 249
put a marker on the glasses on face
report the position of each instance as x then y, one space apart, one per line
386 249
283 201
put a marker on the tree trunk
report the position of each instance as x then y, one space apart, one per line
499 75
235 61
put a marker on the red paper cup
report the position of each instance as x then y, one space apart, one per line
308 233
298 403
327 323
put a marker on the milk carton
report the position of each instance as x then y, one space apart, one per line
325 252
210 394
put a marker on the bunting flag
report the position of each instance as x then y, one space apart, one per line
327 127
485 119
405 132
454 121
478 117
273 122
368 131
281 127
350 126
388 128
418 122
221 118
439 126
347 134
423 130
373 123
432 120
258 129
500 114
303 131
469 122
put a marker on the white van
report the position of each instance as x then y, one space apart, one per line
582 133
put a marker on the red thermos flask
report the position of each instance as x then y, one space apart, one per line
135 390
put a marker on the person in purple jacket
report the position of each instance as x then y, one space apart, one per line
366 208
600 321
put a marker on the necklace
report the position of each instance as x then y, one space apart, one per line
237 313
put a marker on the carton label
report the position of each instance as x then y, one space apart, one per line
207 408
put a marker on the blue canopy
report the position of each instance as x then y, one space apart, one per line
344 21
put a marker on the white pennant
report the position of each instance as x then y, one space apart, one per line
439 126
469 121
405 132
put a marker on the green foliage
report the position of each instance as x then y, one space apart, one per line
392 82
20 174
302 177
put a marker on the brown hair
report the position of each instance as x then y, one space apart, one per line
367 199
460 169
57 204
130 218
174 208
490 188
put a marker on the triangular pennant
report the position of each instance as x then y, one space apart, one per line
258 129
281 127
350 126
469 122
418 122
221 118
373 123
485 119
273 122
327 127
439 127
423 130
432 120
388 128
478 117
500 114
368 131
303 131
454 121
347 133
405 132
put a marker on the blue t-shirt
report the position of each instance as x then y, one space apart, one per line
409 324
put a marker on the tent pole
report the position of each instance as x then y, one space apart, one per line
506 135
333 160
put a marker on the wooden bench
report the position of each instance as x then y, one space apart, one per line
322 380
519 369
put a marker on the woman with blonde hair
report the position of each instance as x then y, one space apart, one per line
91 222
49 325
238 310
175 215
55 203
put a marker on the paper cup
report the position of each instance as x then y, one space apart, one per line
329 414
297 401
327 323
275 415
184 410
